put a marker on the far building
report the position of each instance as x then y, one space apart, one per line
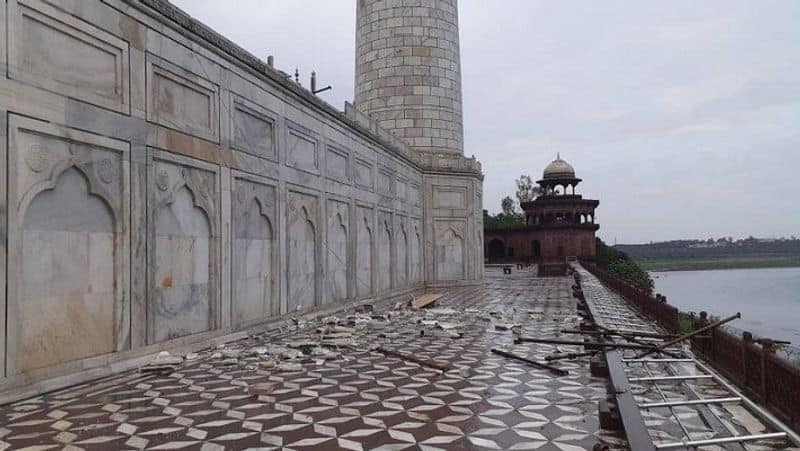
559 224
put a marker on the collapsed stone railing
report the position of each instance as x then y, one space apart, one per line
752 364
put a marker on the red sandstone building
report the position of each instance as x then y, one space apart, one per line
559 224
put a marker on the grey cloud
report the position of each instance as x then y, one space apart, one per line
681 116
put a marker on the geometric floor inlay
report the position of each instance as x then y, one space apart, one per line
357 400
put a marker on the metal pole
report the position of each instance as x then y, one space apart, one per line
690 402
691 334
768 417
669 378
543 366
721 440
411 358
657 360
586 343
617 333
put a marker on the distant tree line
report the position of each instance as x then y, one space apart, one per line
721 247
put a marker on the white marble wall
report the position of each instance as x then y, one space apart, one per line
160 190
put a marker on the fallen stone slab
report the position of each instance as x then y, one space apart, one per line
162 362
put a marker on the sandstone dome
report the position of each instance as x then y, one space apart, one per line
559 169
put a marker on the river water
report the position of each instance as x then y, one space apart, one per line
768 298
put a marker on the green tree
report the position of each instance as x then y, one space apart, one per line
508 206
621 264
527 191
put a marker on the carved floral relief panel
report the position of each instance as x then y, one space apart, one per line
302 227
69 256
255 259
385 243
183 249
364 245
402 255
449 249
337 250
415 251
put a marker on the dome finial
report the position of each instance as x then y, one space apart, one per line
558 155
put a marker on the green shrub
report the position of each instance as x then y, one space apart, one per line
619 263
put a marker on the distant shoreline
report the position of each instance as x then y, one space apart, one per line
708 263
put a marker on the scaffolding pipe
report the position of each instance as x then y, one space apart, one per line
760 411
691 334
670 378
719 441
690 402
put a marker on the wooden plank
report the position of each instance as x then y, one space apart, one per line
425 300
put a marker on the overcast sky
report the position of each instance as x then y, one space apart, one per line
682 117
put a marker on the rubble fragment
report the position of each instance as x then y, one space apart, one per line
163 362
267 364
290 366
263 388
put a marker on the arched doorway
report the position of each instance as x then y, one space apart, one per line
497 250
536 249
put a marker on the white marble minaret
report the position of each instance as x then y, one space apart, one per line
408 75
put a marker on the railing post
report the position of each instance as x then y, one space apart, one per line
766 349
747 340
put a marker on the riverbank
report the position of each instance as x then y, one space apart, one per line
726 262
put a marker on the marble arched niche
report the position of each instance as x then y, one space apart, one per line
364 257
337 259
69 274
302 247
254 262
183 277
384 256
414 256
401 268
449 251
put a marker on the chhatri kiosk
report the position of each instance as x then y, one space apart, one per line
559 224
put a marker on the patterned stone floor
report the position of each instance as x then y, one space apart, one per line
359 399
662 422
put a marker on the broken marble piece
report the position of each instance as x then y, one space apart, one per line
192 356
365 308
267 364
230 353
258 351
163 361
290 366
441 311
303 344
336 336
263 388
336 342
335 330
290 354
450 326
506 326
230 362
